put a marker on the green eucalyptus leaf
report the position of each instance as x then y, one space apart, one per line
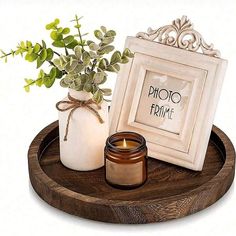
98 34
112 68
93 55
88 86
29 81
39 82
90 76
117 67
50 26
73 44
53 73
48 81
89 42
31 57
30 50
110 33
56 36
106 91
88 82
107 40
66 31
64 58
128 53
37 48
44 44
78 81
78 86
93 46
86 58
78 52
104 80
103 64
41 74
104 29
49 54
72 85
62 65
28 44
78 68
69 39
67 68
22 44
58 44
124 59
39 62
27 88
97 96
70 67
105 49
84 78
59 30
78 26
43 54
98 77
59 73
116 57
56 21
57 62
68 79
53 24
63 83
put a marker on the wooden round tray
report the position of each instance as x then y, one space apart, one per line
170 191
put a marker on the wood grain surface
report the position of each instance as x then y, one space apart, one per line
170 191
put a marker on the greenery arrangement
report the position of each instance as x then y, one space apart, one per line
83 67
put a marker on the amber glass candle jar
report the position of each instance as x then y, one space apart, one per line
125 160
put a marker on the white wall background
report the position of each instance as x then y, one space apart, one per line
23 115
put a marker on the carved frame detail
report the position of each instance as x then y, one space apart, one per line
181 35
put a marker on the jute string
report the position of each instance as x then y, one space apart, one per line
74 104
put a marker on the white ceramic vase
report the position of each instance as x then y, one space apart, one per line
84 148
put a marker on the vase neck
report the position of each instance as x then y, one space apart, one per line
80 95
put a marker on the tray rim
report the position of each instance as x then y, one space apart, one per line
44 178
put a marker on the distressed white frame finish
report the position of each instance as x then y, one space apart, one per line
205 73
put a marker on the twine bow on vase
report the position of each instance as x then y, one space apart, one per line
74 104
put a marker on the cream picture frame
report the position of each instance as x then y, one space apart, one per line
169 92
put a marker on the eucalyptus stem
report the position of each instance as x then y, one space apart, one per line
8 54
51 63
13 52
56 53
33 82
66 51
80 36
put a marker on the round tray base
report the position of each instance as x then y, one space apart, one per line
170 191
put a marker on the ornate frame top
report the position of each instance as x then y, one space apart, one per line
181 35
